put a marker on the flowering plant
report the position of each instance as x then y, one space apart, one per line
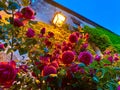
60 63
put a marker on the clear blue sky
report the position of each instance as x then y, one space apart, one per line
104 12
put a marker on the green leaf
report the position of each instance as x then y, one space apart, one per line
103 71
13 5
82 65
22 51
62 72
110 86
9 50
95 79
106 61
99 88
116 68
49 88
94 64
2 5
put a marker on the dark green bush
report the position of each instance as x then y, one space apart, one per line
100 39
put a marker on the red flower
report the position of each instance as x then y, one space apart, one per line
45 59
65 48
18 15
8 73
67 57
30 33
42 31
47 43
58 46
50 34
73 38
74 67
54 63
0 17
28 13
85 57
86 36
49 70
77 34
18 23
2 46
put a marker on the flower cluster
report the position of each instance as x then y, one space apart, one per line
56 59
22 17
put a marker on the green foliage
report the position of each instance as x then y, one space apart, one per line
103 38
117 47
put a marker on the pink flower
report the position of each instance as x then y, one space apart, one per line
116 57
85 57
18 23
2 46
118 88
30 33
8 73
97 58
68 57
107 52
73 38
28 13
84 46
49 70
110 58
42 31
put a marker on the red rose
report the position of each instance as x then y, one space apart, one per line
50 34
85 57
30 33
2 46
67 57
18 23
8 73
49 70
18 15
28 13
47 43
73 38
42 31
54 63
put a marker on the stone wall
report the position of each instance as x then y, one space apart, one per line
45 13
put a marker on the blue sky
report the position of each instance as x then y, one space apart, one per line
103 12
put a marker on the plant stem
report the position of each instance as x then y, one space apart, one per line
12 35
